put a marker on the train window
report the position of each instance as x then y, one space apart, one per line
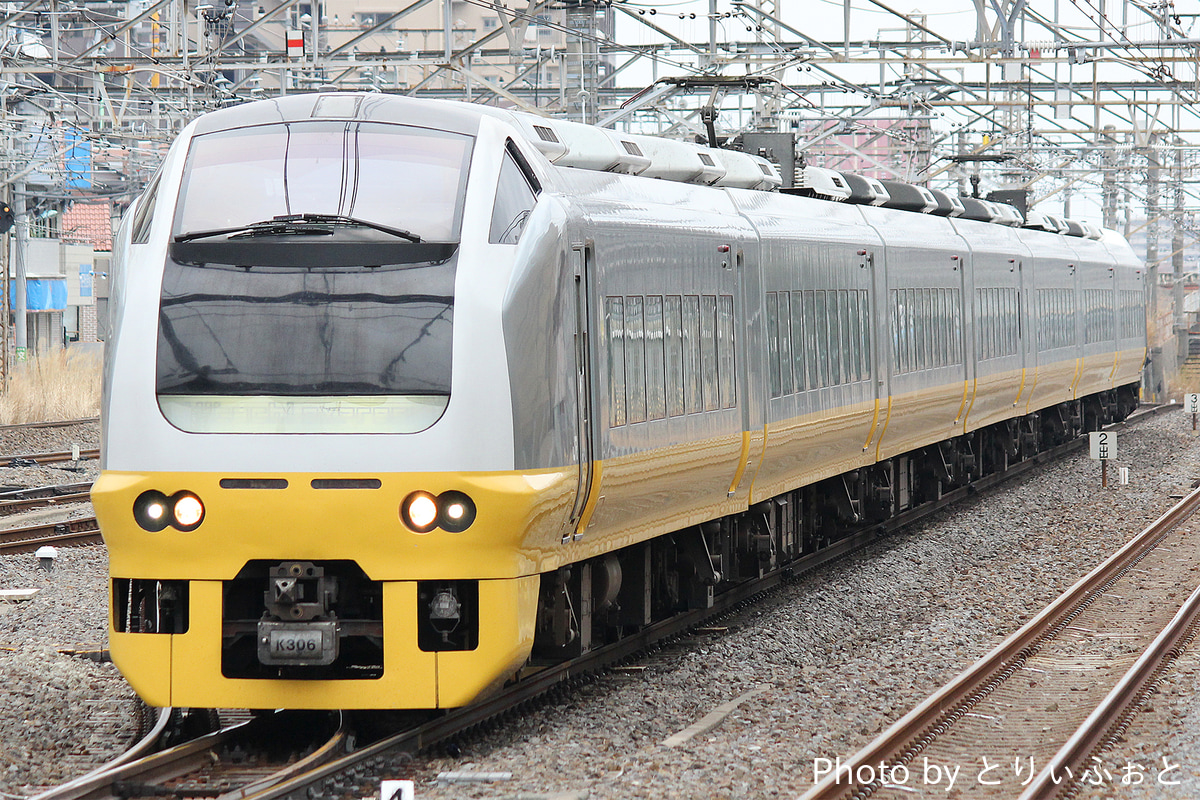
1043 319
1057 324
249 349
1004 312
403 177
786 381
725 349
656 382
943 346
840 347
1099 320
916 315
943 354
983 324
989 323
827 337
820 340
929 324
913 326
1133 325
144 215
1013 319
673 330
956 327
708 351
854 337
514 202
799 349
811 357
773 342
910 330
635 360
992 317
614 316
939 340
864 324
691 353
850 335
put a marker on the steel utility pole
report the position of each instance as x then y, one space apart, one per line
20 332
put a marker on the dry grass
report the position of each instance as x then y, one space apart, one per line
54 386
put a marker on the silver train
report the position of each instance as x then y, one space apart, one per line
405 396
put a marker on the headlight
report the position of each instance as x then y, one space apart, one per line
152 511
456 512
451 511
420 512
187 511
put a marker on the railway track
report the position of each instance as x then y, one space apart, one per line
35 459
239 760
354 774
1049 698
28 538
17 500
59 423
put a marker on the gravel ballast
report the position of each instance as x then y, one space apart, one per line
60 715
820 667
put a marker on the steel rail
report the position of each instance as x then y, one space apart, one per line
905 739
57 490
48 458
8 507
1109 719
140 776
79 787
178 760
58 423
527 688
84 530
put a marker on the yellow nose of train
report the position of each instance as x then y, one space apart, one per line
323 592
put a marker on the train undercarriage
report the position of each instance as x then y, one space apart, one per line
596 602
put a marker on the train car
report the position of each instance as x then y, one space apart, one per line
405 396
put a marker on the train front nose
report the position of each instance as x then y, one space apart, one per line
306 598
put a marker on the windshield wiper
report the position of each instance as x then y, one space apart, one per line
297 224
340 219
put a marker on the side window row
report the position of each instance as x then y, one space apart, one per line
1133 314
668 356
817 338
1098 315
998 327
1056 318
926 328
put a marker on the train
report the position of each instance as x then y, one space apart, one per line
404 398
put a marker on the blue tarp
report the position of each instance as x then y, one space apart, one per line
44 294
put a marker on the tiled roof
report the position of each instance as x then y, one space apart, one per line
88 223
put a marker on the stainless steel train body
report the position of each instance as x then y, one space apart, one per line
394 405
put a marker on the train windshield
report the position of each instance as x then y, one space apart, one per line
294 300
394 175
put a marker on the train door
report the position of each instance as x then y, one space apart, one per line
967 322
748 353
582 259
881 341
